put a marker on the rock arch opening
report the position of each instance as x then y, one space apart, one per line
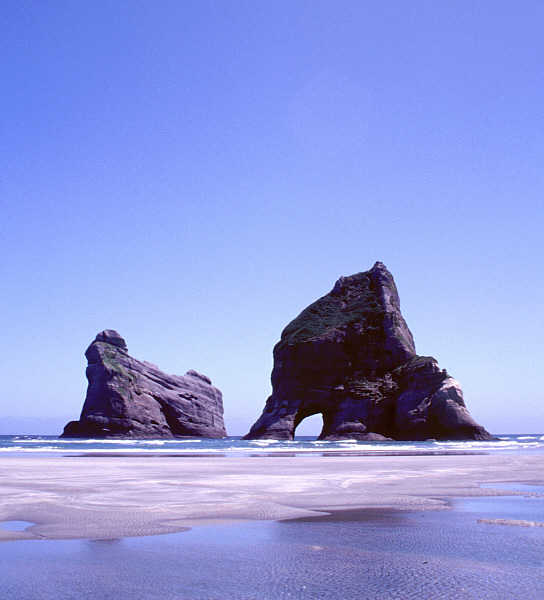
309 426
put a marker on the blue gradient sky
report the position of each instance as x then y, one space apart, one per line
193 174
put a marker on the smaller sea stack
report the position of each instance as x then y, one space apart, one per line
128 398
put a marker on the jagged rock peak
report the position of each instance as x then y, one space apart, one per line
366 301
345 282
351 357
127 397
193 373
110 336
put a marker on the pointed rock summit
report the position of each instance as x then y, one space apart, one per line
351 357
128 398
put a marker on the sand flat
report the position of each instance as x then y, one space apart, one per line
78 497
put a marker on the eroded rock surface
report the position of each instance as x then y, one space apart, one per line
351 357
131 398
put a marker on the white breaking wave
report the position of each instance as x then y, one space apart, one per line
21 445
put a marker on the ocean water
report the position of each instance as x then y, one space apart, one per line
52 445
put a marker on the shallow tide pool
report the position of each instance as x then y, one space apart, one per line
363 554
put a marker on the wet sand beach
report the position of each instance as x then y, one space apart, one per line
266 527
73 497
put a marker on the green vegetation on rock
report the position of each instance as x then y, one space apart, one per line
109 358
355 303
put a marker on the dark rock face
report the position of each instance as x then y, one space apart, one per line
134 399
351 357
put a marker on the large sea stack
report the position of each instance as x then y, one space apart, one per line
351 357
128 398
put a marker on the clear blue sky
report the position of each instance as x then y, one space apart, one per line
193 174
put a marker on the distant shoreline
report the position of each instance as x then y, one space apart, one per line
284 453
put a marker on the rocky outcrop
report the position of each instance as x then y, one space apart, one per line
351 357
133 399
